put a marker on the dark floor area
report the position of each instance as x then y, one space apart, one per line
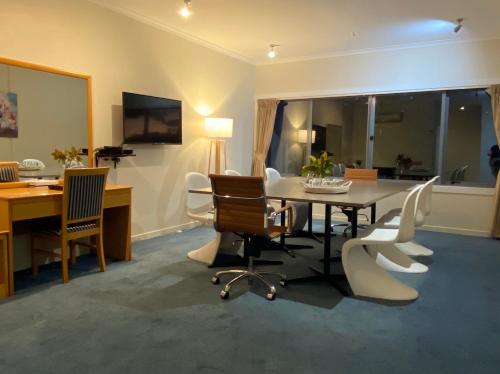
160 314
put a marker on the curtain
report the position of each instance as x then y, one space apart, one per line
272 154
494 92
266 114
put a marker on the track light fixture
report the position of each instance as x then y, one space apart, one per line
272 51
186 9
460 23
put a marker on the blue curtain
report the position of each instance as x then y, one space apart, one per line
277 130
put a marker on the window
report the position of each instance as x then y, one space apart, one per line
404 136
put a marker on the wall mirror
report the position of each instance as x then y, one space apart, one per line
41 109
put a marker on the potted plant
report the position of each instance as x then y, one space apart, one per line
319 167
68 158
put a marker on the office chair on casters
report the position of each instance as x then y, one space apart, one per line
241 206
359 174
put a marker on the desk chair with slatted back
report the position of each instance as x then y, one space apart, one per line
241 206
357 174
82 212
9 172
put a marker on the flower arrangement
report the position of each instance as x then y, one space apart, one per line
403 161
68 158
321 166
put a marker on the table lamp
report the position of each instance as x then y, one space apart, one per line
218 130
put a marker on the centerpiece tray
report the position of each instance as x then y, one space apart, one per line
336 186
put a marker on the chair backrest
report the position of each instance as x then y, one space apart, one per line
341 169
406 230
234 173
240 204
9 171
424 199
83 194
365 174
197 203
461 173
272 175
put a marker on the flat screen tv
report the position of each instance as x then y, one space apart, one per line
151 120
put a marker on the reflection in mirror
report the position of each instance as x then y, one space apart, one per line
39 112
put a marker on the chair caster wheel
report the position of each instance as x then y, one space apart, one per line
215 280
271 296
224 295
283 283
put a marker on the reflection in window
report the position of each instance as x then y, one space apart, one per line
406 134
471 137
340 126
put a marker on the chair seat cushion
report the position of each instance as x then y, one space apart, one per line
73 228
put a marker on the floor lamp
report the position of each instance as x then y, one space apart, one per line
218 130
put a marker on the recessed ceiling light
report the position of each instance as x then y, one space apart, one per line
462 108
186 9
272 51
460 23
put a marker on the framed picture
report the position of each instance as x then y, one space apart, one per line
8 115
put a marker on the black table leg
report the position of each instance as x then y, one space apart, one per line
374 213
326 275
282 216
354 222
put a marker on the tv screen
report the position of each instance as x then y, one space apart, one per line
151 120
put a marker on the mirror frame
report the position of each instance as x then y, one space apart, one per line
88 78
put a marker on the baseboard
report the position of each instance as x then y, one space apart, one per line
165 231
456 230
445 229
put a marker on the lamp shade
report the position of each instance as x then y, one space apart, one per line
219 127
302 136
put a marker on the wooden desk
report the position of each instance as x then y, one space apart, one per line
18 204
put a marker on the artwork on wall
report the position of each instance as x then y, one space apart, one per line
8 115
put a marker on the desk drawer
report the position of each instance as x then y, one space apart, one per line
117 198
36 208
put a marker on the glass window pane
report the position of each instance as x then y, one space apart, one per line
406 131
340 129
471 137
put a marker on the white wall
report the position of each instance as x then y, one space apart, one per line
411 69
52 113
122 54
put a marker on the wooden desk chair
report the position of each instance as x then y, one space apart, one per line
9 171
356 174
4 265
241 207
82 217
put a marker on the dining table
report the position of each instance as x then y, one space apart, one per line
361 194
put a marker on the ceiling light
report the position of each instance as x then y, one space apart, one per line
186 9
462 108
272 52
459 25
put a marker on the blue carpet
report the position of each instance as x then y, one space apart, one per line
160 314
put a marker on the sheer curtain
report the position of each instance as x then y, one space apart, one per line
266 114
494 92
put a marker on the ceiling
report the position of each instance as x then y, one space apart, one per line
315 28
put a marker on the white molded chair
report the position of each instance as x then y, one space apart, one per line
424 204
366 278
200 208
233 173
299 210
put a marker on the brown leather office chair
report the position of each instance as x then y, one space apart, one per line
241 206
356 174
82 205
9 172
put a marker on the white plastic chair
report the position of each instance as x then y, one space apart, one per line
200 208
299 210
424 205
366 278
233 173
